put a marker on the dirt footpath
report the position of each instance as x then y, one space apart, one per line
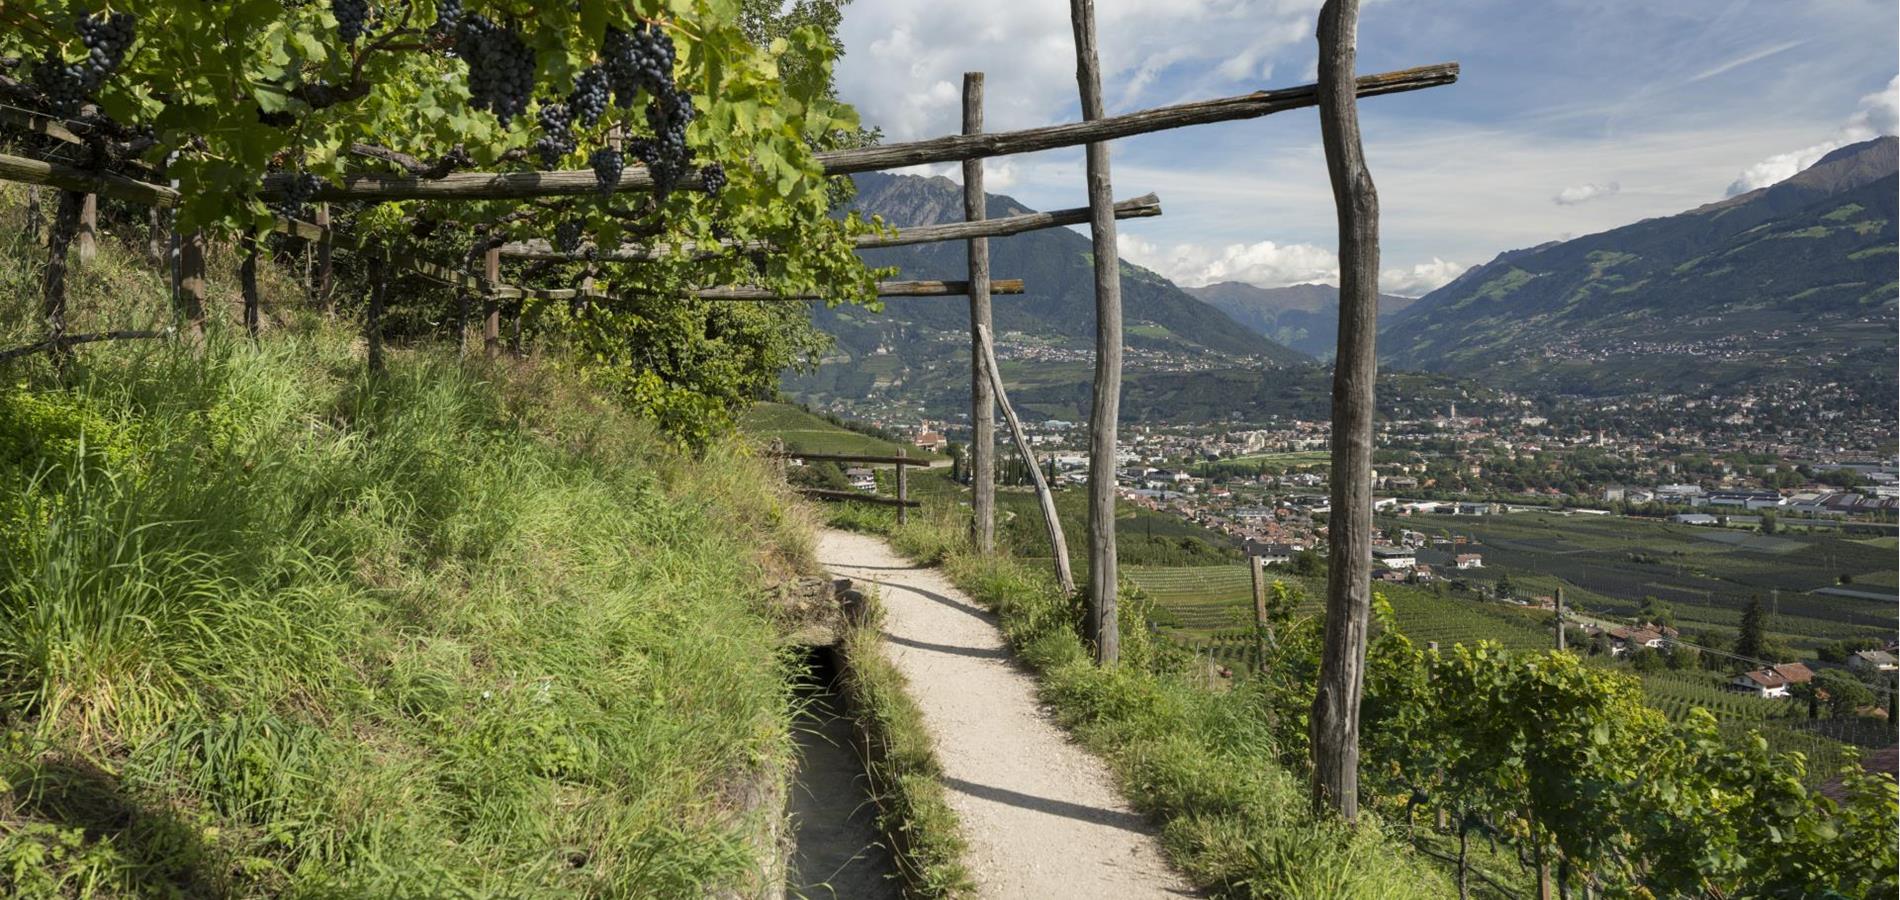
1041 815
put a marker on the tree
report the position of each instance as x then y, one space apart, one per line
1841 692
1749 642
1504 586
1768 522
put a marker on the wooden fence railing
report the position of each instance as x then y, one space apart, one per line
902 462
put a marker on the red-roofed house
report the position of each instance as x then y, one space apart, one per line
1773 681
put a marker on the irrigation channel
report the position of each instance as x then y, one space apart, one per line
836 847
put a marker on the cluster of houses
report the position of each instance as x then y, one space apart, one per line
1768 682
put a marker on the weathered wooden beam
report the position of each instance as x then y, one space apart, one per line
1145 206
83 181
68 340
1045 498
952 148
846 457
884 289
823 494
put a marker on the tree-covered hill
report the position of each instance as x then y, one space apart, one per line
1795 280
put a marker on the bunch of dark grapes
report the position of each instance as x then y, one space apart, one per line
608 164
352 19
500 66
297 194
557 133
712 177
636 60
107 38
666 153
589 100
448 19
567 236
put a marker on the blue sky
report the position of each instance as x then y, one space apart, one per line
1572 116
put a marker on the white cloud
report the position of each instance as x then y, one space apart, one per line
1420 279
1265 264
905 61
1878 114
1584 193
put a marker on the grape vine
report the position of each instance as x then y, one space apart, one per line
501 66
68 85
608 164
352 19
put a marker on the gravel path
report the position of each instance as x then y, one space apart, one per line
1041 815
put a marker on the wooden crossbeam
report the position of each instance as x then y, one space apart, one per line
1146 206
884 289
951 148
859 497
846 457
85 181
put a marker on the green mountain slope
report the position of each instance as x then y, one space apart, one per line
1791 281
1302 316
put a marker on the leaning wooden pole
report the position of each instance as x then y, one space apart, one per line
982 403
1045 499
1335 720
1105 408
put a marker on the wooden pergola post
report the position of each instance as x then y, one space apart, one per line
322 282
1105 407
491 306
66 224
982 403
191 288
373 321
247 280
88 243
1561 637
1335 719
903 488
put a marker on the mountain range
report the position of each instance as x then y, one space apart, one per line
1304 317
1792 280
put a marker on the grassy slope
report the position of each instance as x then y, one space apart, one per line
268 627
812 434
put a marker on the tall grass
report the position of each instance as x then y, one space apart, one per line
269 626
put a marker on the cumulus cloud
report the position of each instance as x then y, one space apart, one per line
1878 114
1269 264
1584 193
1266 264
1420 279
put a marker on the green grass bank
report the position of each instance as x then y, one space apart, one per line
272 627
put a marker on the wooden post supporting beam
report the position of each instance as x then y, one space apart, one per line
247 282
1560 618
982 403
33 214
952 148
491 305
191 288
1105 407
903 489
1335 719
1045 498
66 224
373 321
1145 206
1257 569
323 282
88 243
